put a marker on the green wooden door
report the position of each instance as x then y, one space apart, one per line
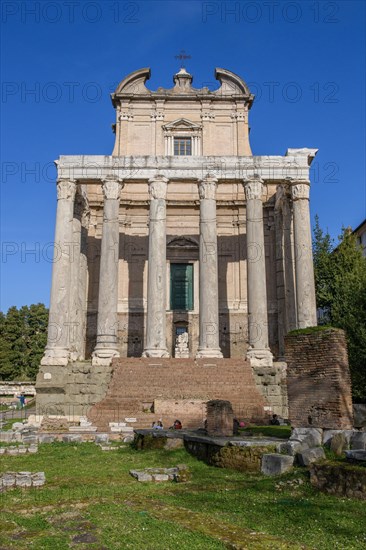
181 287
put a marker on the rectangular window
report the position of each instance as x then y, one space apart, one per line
181 287
182 146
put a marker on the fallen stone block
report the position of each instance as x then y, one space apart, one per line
72 438
30 439
12 451
312 436
8 479
358 440
339 443
33 449
140 475
127 438
101 438
38 479
356 456
45 438
310 455
359 416
329 434
276 464
17 426
291 447
23 479
160 477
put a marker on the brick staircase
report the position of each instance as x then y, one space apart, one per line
137 383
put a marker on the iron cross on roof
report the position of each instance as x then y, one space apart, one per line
182 56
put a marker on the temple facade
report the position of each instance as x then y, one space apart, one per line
181 244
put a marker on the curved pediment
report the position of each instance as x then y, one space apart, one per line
231 84
134 83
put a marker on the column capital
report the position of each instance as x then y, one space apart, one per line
300 189
207 187
66 189
253 187
158 187
112 187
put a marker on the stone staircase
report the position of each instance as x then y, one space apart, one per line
149 389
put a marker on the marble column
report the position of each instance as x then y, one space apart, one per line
209 335
79 271
259 353
107 327
57 350
304 268
155 345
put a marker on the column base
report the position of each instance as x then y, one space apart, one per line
209 353
103 357
56 357
260 357
154 352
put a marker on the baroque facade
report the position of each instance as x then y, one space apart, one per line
182 243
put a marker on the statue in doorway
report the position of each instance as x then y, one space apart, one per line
181 345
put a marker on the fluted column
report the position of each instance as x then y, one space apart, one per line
258 352
57 350
209 336
155 345
107 327
304 268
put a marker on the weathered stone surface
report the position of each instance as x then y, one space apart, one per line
291 447
17 426
311 436
359 416
339 443
180 474
310 455
276 464
38 479
101 438
356 456
341 479
23 479
329 434
45 438
358 440
72 438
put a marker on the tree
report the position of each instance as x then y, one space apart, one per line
23 335
340 279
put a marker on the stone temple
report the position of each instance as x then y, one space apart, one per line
181 262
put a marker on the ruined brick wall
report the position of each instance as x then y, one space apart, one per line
220 416
318 379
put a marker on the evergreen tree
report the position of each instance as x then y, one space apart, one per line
23 336
340 279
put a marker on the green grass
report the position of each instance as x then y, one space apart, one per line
283 432
91 502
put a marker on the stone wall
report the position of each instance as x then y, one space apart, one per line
318 379
339 479
70 390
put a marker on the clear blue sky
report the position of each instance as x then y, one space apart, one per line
305 61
